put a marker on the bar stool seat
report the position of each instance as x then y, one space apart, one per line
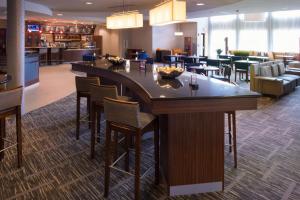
124 98
83 91
146 119
98 93
126 118
10 104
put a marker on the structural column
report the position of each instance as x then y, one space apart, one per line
16 41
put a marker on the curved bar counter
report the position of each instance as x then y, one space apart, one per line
191 121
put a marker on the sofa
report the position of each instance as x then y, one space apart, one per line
271 55
272 78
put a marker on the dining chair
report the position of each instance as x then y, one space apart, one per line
241 69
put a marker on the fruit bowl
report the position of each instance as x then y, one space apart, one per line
170 72
116 60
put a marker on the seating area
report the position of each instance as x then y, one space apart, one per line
271 78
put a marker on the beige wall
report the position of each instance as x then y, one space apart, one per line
141 38
189 29
111 40
148 38
163 36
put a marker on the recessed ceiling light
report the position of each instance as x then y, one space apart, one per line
88 3
200 4
59 14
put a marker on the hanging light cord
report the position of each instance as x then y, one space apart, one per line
123 6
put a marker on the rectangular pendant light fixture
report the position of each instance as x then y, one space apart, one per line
178 33
168 12
124 20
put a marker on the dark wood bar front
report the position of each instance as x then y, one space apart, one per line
191 121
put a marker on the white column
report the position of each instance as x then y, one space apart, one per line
16 41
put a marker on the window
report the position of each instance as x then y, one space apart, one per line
286 31
220 28
253 33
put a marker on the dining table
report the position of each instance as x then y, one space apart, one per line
196 59
175 59
221 60
205 69
259 58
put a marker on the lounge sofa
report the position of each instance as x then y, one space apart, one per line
271 78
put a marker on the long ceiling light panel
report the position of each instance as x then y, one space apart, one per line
124 20
168 12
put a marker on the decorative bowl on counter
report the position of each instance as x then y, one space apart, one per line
116 60
170 72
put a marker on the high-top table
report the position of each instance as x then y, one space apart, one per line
191 121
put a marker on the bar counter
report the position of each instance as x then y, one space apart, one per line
62 54
191 121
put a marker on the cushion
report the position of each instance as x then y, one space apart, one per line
290 77
256 69
275 70
281 68
266 71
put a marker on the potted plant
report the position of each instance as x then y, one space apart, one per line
219 51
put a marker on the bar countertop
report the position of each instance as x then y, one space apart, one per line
179 88
191 122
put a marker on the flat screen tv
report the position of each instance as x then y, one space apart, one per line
33 27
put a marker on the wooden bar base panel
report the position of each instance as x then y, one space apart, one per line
192 152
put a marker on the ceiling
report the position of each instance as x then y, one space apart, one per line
77 11
116 5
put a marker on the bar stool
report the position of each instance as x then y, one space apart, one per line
125 117
10 104
231 116
232 134
83 91
98 92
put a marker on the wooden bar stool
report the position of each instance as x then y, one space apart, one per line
83 91
125 117
10 104
232 134
98 93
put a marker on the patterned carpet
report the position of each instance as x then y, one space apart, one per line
56 166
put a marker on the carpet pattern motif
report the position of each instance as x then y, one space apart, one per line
56 166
